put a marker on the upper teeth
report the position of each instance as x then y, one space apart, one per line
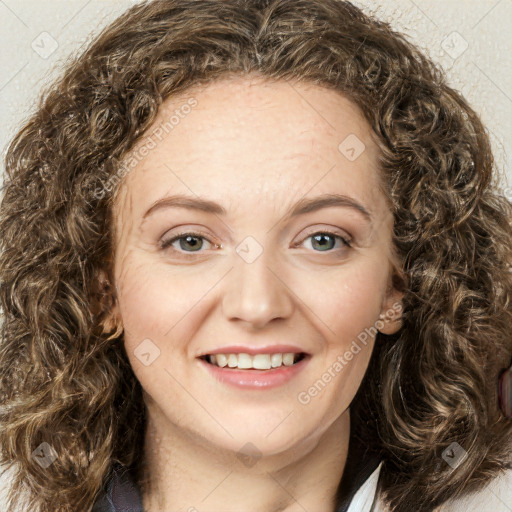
258 361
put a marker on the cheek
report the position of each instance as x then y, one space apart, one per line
345 300
156 303
348 310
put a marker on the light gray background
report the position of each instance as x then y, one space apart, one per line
471 39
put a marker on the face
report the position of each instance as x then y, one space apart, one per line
248 272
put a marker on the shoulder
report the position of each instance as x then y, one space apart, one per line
121 493
6 479
496 496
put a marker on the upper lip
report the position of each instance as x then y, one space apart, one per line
269 349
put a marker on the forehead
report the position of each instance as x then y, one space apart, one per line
244 137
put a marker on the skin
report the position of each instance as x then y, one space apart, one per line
256 147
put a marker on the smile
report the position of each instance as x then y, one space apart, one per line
245 361
247 377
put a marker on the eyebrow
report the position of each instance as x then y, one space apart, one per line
303 206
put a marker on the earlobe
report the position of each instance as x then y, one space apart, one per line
105 306
390 318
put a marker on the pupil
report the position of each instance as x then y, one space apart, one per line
188 238
317 237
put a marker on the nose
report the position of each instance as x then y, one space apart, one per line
256 293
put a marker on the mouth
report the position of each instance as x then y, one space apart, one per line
258 362
255 371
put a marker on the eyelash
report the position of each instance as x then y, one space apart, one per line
167 243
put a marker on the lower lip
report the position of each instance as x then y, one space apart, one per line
256 379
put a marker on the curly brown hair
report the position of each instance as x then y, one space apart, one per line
66 381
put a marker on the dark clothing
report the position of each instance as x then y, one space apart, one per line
123 495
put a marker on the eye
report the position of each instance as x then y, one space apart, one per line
186 241
321 239
191 242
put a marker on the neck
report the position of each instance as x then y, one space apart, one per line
181 472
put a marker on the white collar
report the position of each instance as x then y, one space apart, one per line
365 496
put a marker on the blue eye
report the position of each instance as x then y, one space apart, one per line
321 236
192 241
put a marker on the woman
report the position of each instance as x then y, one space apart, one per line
268 371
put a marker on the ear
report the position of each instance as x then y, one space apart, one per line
390 318
104 304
